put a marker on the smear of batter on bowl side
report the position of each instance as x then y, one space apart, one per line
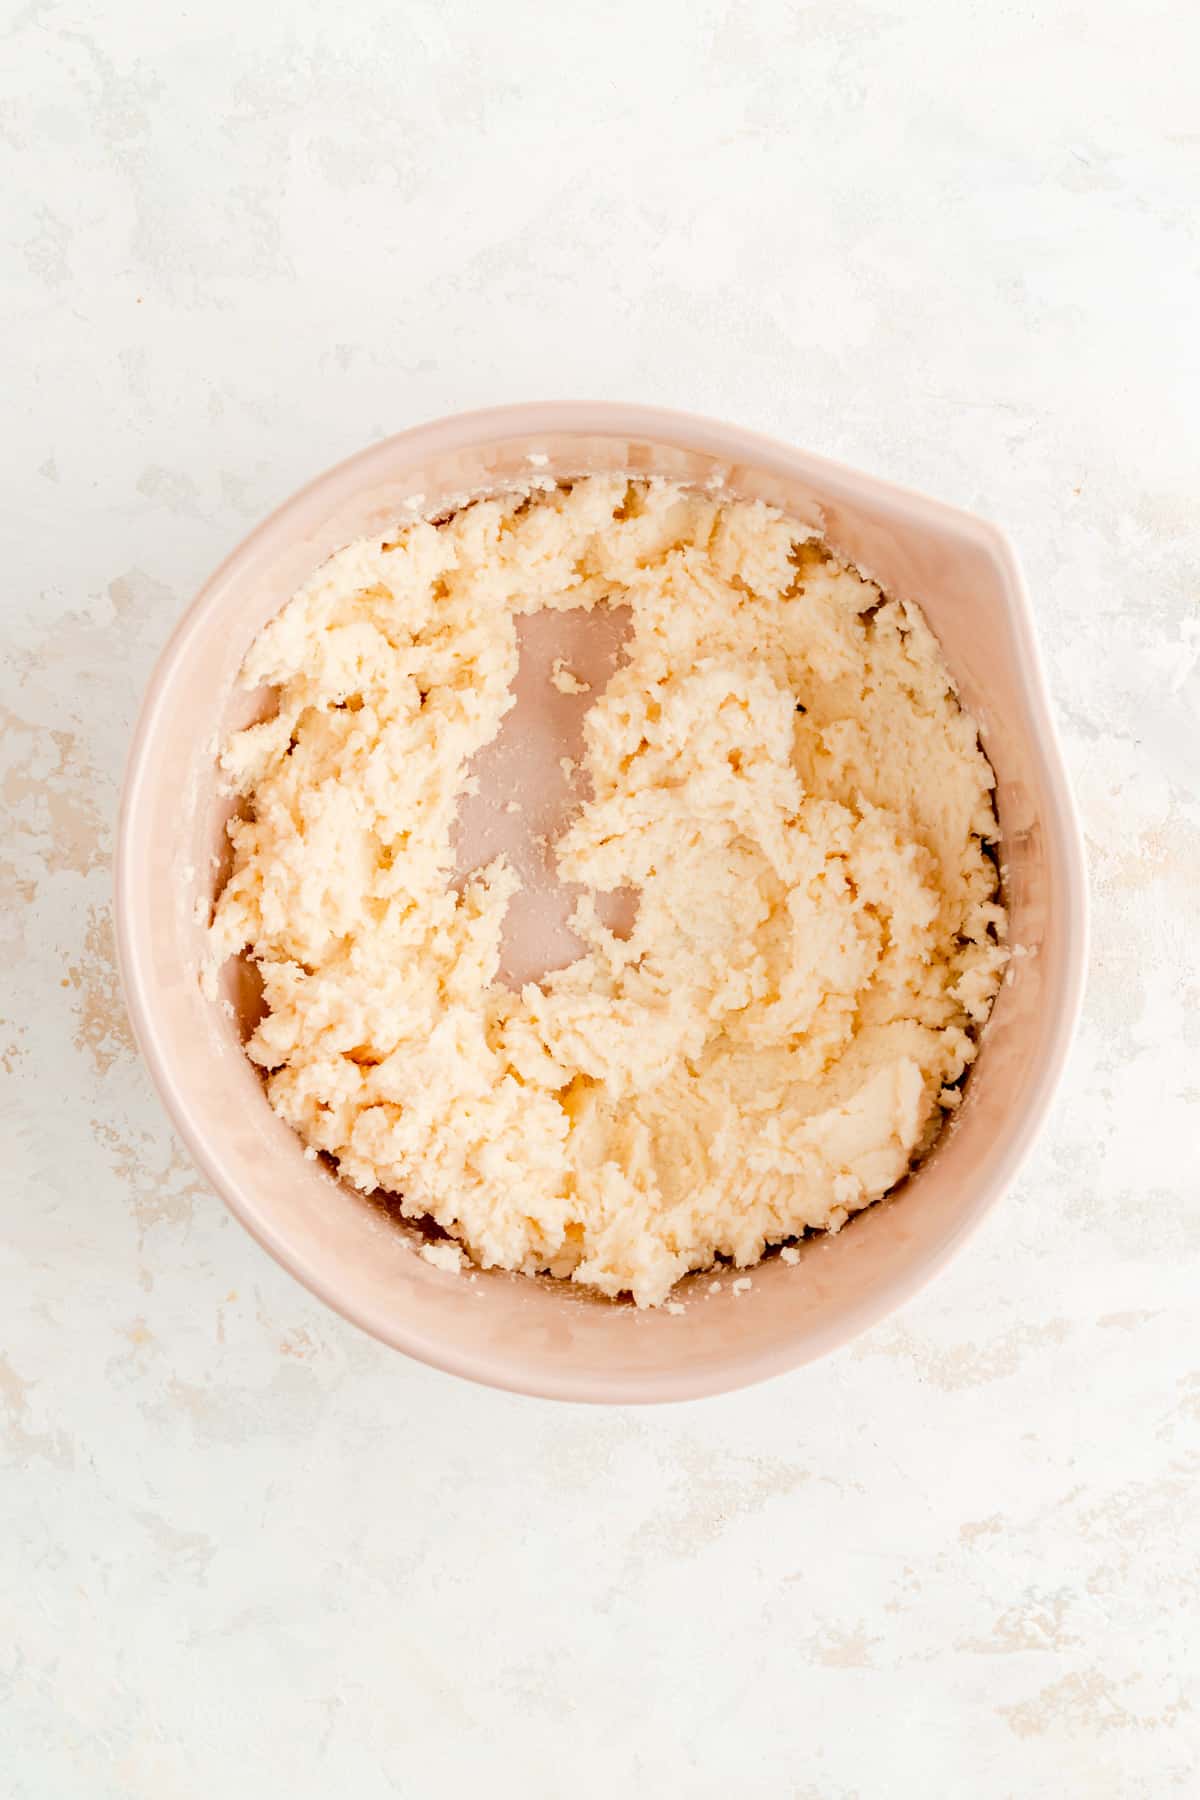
780 769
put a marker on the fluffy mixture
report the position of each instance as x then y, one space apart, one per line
779 767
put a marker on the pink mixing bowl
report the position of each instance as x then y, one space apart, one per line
542 1336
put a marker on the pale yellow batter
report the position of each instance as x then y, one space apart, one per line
781 770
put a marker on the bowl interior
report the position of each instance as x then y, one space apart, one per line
543 1336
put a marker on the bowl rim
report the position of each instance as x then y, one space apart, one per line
727 443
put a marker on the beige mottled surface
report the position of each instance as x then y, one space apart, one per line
244 1550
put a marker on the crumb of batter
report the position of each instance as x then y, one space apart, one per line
443 1255
779 767
566 681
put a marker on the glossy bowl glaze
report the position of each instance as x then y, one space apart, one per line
540 1336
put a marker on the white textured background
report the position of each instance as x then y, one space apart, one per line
246 1552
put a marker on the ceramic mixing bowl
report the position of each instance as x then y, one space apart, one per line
540 1336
